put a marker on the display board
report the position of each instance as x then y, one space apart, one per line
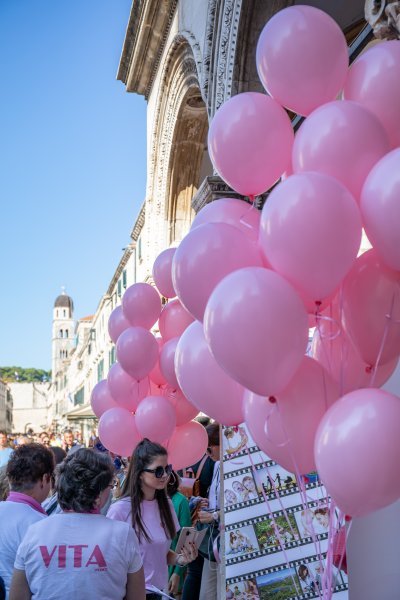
262 503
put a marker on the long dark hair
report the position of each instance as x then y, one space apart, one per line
143 455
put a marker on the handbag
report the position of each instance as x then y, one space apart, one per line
206 548
190 483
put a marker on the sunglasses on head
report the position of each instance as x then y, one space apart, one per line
158 472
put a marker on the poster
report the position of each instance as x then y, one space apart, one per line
262 503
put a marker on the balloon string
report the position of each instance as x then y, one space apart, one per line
273 400
249 210
389 319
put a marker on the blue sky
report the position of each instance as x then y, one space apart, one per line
72 163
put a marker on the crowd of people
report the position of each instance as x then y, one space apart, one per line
80 520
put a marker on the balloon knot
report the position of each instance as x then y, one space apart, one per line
272 399
368 369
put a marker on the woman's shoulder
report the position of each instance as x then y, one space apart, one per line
120 509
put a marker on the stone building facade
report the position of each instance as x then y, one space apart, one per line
29 406
6 406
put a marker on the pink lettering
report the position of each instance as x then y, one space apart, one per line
96 558
46 556
78 554
62 557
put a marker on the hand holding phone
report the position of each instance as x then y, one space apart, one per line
189 535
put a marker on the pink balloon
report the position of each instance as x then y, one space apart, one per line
184 410
302 58
311 232
137 352
101 398
291 420
380 208
257 329
162 273
371 309
173 320
203 381
167 366
117 323
373 82
141 304
337 354
342 139
155 374
359 439
250 141
234 212
204 257
126 391
155 418
187 445
118 432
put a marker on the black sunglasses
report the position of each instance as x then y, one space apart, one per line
159 471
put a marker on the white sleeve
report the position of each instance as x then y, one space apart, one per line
19 562
133 552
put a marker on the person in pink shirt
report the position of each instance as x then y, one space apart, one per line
144 503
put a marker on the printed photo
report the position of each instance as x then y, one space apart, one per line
313 521
279 586
243 590
311 576
271 478
286 529
235 439
240 489
241 541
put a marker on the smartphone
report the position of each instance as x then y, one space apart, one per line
190 534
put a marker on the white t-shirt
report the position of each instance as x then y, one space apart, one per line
78 556
154 553
15 518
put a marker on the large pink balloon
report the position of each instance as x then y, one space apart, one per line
373 81
342 139
173 320
371 309
185 411
292 418
126 391
302 58
257 329
137 351
203 381
155 418
101 398
311 232
250 141
141 304
162 273
204 257
359 439
118 432
155 374
117 323
167 366
380 208
233 212
187 445
336 353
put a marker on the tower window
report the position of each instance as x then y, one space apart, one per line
66 333
64 313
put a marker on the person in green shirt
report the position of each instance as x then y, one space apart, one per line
181 506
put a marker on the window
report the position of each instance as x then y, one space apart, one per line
100 370
79 397
61 353
139 249
66 333
111 355
60 333
92 334
64 313
119 288
124 279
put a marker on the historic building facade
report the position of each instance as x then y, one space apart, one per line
6 406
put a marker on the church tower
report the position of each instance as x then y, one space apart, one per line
63 332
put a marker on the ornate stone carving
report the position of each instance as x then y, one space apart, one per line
384 18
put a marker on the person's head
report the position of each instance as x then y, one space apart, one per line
230 497
30 469
59 454
45 438
173 484
213 440
237 487
68 437
303 572
22 440
4 485
84 481
322 516
3 439
248 483
147 479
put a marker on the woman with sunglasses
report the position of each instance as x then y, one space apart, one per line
144 503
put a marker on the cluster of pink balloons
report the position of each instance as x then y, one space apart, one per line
340 173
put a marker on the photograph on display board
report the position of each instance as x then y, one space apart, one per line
279 585
311 576
313 521
268 537
240 488
242 590
235 440
241 541
275 476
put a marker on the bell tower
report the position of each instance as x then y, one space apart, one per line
63 332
